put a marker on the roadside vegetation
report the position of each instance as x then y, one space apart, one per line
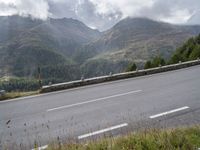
189 51
11 95
131 67
156 62
12 87
155 139
18 84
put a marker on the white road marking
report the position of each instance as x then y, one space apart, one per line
102 131
41 148
169 112
94 100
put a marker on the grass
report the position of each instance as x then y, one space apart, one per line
6 78
12 95
154 139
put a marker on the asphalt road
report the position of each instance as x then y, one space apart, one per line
168 99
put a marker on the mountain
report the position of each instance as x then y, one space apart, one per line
65 49
14 25
26 44
135 39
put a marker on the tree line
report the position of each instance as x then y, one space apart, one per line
19 84
189 51
63 73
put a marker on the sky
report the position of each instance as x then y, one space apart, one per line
103 14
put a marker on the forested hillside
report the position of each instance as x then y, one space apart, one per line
189 51
134 39
66 49
27 44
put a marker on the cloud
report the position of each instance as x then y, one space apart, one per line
195 18
171 11
178 11
84 10
103 14
34 8
126 7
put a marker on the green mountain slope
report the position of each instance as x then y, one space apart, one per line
12 26
65 49
189 51
141 38
26 44
138 40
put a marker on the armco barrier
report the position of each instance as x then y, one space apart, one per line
73 84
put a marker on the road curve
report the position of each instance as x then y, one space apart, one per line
167 99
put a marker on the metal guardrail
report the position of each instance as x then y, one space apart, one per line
113 77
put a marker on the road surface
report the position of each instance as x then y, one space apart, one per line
167 99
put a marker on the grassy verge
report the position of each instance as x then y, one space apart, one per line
176 139
12 95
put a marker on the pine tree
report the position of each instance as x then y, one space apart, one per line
148 65
131 67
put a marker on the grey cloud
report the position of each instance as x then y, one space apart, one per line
87 13
84 11
103 14
167 8
35 8
63 9
195 19
178 11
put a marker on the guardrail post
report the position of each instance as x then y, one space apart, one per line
82 78
110 74
180 62
198 59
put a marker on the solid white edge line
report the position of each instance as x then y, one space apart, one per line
41 148
102 131
92 101
169 112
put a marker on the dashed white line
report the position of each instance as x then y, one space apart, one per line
102 131
41 148
94 100
169 112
